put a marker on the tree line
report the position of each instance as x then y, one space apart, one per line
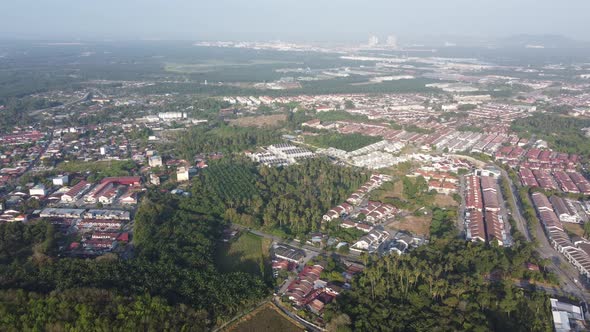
448 285
290 200
169 276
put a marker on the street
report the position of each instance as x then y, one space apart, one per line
558 264
521 223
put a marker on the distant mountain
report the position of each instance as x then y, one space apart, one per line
513 42
541 41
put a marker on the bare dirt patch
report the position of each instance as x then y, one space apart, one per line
388 190
266 319
412 224
442 200
260 121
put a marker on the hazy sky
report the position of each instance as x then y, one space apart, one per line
317 20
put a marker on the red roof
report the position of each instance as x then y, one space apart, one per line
123 237
126 180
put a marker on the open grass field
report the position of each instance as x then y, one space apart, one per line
265 319
105 168
413 224
246 253
260 121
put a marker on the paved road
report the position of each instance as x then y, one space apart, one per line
568 275
521 223
461 214
34 162
35 112
551 290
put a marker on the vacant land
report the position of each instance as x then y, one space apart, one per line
266 319
104 168
388 190
343 142
441 200
574 229
246 253
260 121
413 224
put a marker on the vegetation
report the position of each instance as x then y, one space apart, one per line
266 319
563 133
99 169
172 271
347 85
232 180
470 128
248 253
444 224
18 241
415 129
89 309
348 235
15 110
289 200
343 142
416 192
340 116
222 139
443 286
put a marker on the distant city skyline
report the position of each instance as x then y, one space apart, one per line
302 20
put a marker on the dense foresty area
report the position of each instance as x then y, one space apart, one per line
446 286
172 272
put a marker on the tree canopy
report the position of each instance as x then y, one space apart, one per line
444 286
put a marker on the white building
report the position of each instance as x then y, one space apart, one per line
371 241
61 180
168 116
38 190
373 41
154 179
566 317
182 174
155 161
391 41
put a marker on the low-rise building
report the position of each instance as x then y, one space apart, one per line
38 190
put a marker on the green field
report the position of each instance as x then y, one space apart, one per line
103 168
343 142
246 253
266 319
212 65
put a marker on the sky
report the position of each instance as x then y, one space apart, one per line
292 20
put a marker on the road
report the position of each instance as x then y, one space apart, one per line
35 112
308 325
558 264
34 162
521 223
461 214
